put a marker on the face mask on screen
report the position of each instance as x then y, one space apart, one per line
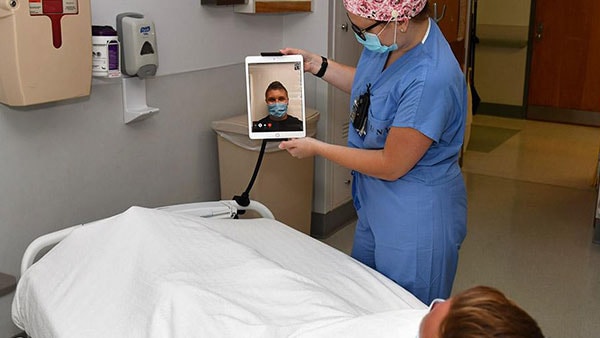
278 109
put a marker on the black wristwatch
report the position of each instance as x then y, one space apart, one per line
323 69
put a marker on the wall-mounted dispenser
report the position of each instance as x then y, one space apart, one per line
139 54
45 53
139 59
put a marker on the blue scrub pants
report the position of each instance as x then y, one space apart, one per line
411 232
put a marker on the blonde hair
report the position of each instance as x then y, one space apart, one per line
485 312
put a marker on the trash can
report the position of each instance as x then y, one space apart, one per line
284 183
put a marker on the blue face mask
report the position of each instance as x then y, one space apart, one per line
373 43
278 110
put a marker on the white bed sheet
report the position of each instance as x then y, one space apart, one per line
154 273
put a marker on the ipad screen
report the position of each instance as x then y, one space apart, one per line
275 96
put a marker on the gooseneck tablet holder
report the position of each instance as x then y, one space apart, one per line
244 199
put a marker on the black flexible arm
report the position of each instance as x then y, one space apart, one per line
244 199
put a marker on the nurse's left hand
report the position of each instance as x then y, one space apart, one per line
301 147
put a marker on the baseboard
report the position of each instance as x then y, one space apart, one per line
501 110
571 116
324 225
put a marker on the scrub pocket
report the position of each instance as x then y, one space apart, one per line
377 132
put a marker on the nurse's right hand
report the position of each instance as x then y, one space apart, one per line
301 147
312 61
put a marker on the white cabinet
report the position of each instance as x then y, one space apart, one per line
270 6
341 182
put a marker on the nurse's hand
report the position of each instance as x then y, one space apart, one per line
312 61
301 147
339 75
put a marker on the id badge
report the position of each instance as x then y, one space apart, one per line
360 112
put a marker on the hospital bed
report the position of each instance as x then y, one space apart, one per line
197 270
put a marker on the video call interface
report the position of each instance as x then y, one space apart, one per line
280 109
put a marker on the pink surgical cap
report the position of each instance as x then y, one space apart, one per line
385 10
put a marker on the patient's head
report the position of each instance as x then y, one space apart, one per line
479 312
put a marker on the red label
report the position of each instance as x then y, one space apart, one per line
54 9
52 6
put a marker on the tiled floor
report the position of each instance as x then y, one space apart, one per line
531 209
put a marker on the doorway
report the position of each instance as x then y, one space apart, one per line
539 60
564 72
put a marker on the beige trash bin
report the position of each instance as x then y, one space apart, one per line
284 183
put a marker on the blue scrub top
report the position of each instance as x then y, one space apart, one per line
424 90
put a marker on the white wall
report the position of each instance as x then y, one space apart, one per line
500 71
72 162
193 37
503 12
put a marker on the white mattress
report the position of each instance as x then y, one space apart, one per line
154 273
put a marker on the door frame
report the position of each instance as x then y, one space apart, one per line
530 42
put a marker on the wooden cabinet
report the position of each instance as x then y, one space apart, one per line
270 6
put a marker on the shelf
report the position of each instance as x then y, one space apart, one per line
503 36
269 6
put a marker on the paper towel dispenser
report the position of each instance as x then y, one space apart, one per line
46 50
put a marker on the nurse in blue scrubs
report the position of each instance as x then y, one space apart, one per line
406 133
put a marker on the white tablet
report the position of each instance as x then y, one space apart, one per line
275 96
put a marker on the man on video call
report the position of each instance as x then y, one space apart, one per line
276 97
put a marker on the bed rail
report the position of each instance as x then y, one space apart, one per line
260 208
215 209
219 209
41 243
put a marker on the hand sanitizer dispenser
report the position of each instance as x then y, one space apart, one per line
45 50
139 55
139 59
